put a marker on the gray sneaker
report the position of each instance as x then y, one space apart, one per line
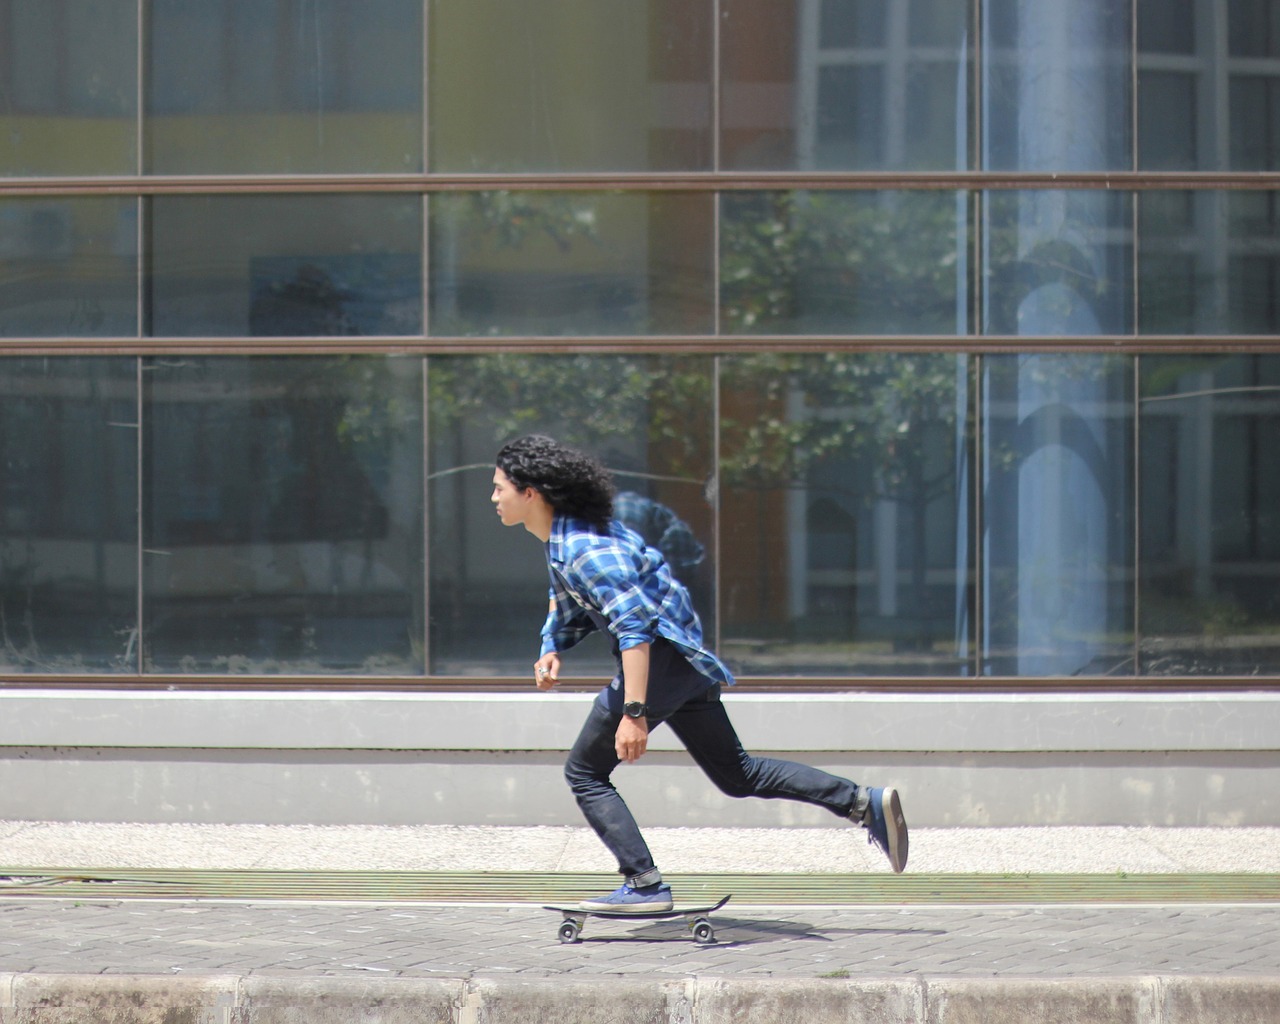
886 827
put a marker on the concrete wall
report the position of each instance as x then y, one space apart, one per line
338 758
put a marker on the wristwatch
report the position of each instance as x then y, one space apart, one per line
635 709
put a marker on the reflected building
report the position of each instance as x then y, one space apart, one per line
947 329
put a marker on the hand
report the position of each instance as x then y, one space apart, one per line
546 671
632 738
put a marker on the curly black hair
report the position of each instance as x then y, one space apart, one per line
571 481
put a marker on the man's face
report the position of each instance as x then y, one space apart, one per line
512 503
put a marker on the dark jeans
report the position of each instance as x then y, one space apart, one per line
703 726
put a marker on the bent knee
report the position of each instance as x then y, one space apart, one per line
739 789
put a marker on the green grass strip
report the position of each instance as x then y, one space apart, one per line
552 887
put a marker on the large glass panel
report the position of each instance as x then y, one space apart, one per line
1058 263
277 86
1056 93
1253 47
844 263
845 84
576 85
1210 263
1210 517
285 265
1209 85
283 515
845 528
68 267
649 419
1057 438
1181 125
68 87
522 263
69 526
1057 496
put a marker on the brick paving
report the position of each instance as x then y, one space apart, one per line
303 940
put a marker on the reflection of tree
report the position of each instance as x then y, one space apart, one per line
788 259
591 401
517 219
840 262
893 416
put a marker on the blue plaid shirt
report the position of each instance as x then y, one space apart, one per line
627 583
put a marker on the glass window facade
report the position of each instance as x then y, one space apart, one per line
928 340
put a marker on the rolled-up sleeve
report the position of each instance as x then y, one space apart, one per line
566 625
609 575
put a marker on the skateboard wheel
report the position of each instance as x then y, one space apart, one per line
703 933
568 932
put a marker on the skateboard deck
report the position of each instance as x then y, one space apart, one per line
698 919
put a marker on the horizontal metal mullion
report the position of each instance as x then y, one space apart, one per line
168 682
701 344
685 182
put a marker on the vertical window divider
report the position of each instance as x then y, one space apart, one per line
977 159
426 88
716 120
140 91
140 326
977 630
138 518
1136 297
1137 513
426 517
717 505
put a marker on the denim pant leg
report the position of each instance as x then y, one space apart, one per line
590 764
704 728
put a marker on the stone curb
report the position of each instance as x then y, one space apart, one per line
263 999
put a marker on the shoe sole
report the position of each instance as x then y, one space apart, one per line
896 827
625 908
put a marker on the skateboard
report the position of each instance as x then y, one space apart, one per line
698 920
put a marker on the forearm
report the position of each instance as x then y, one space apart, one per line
635 673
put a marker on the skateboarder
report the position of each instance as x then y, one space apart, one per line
603 577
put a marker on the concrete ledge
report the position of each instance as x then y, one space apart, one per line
146 999
989 722
980 759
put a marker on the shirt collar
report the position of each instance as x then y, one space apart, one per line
555 543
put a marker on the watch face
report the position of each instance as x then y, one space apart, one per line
634 709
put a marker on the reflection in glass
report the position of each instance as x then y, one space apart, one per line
68 525
1209 82
1210 263
844 85
844 263
295 266
1058 263
273 86
68 78
1058 518
649 419
573 86
524 263
1210 517
68 267
283 515
1056 85
843 541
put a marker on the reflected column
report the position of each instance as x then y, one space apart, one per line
1055 441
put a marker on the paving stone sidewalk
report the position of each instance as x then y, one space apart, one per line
155 937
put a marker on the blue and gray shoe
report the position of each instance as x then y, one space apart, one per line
652 899
886 827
